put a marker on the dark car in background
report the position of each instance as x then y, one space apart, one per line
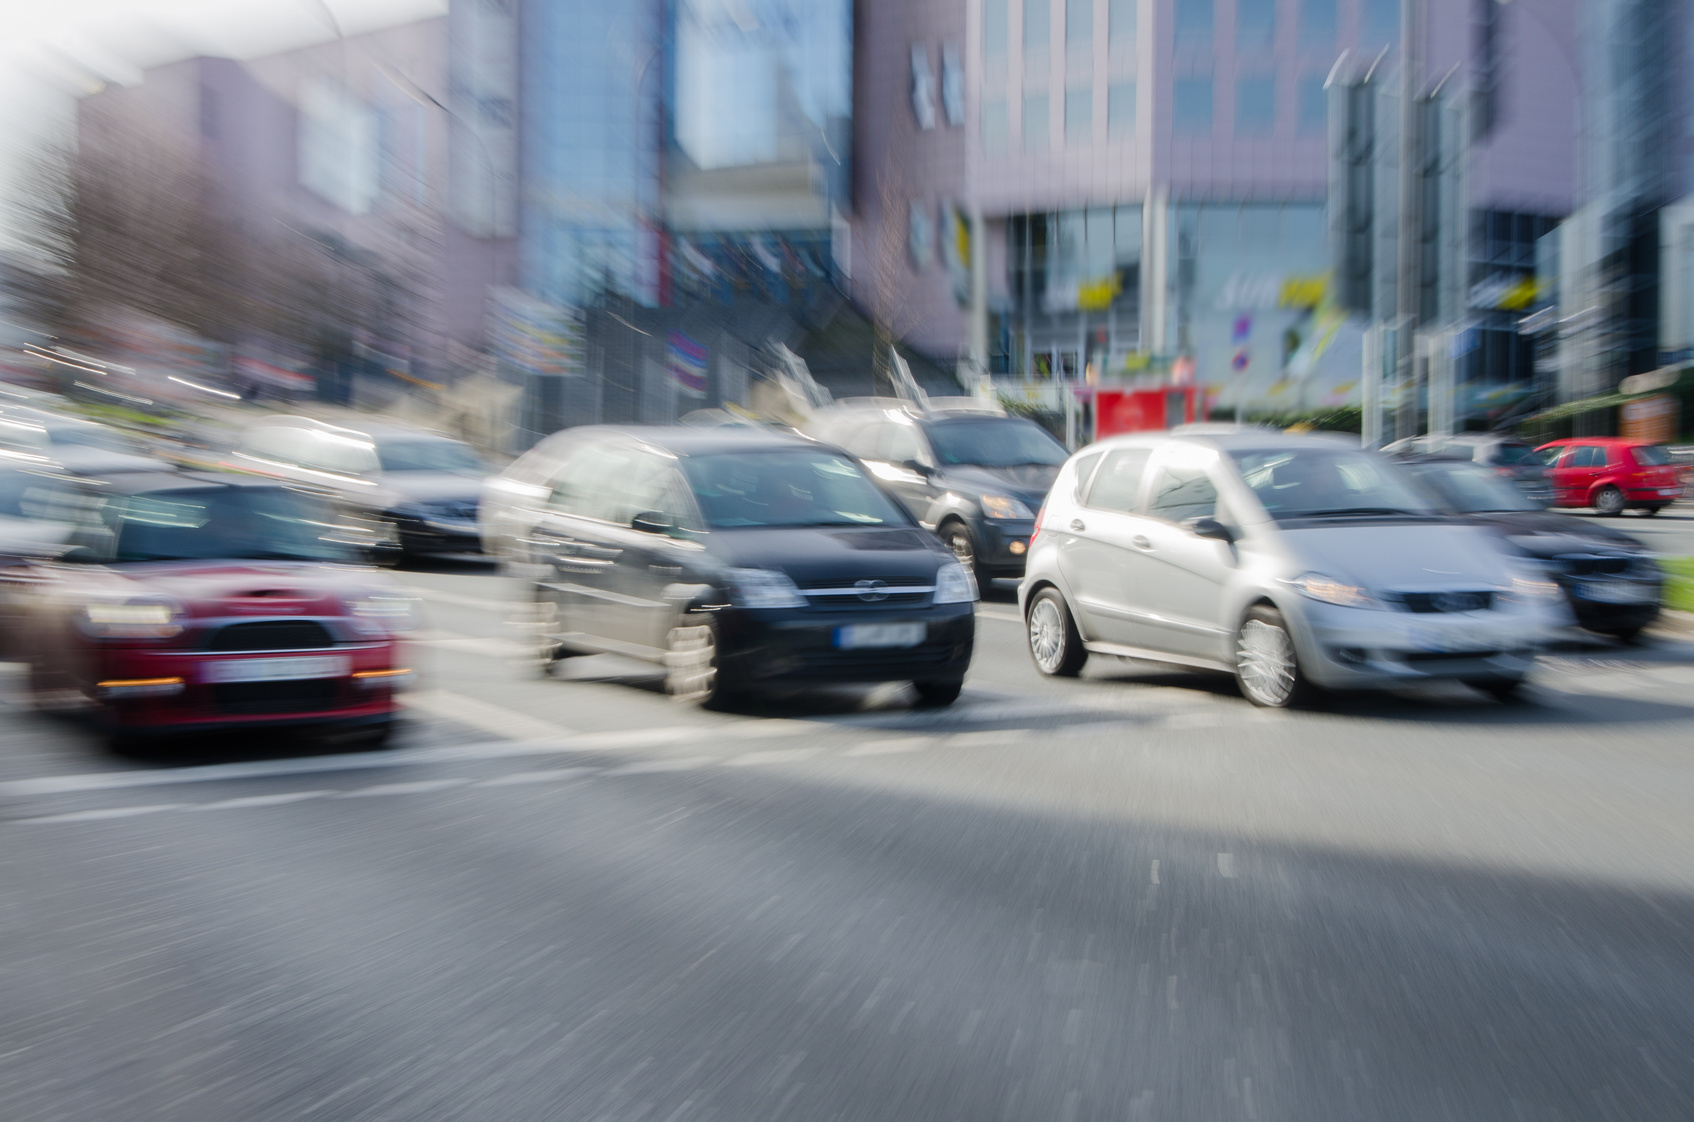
419 489
1609 579
973 475
740 560
198 602
1508 457
1611 474
71 444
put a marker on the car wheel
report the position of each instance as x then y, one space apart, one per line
691 665
938 695
1267 665
1651 510
958 539
1609 500
1500 689
1628 635
548 649
1054 642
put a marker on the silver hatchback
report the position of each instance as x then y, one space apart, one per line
1295 563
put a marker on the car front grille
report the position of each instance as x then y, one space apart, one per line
275 697
1426 603
271 635
1583 565
875 592
1439 657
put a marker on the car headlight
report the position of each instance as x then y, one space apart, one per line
954 584
1002 506
1529 585
765 588
131 619
1330 590
383 614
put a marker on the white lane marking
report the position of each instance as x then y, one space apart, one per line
647 767
96 815
1226 865
416 787
262 800
638 738
1155 872
553 775
483 716
772 756
891 747
439 596
1008 617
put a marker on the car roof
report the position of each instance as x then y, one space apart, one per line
1596 440
1245 440
377 432
687 440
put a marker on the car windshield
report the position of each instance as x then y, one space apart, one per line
1322 482
1651 455
1469 490
1506 454
91 436
429 455
781 488
235 523
994 442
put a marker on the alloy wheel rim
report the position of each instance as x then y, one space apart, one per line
1046 635
960 542
1265 656
1609 500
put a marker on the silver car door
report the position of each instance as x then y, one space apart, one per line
1178 577
1095 546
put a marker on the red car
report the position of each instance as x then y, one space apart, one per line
206 602
1611 474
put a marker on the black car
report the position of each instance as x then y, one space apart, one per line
1510 458
976 478
740 560
1610 579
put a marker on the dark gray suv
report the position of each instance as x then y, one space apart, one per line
974 476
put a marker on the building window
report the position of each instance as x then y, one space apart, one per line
1255 106
1079 24
923 87
1120 108
994 127
1191 106
1380 20
1037 26
1036 137
1313 116
1255 24
920 235
1079 115
952 84
994 28
1193 21
1121 15
1317 21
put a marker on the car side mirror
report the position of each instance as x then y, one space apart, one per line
917 466
652 522
1211 528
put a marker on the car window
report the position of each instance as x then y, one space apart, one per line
1085 466
429 455
1549 457
1650 455
1314 482
578 478
1181 492
1588 455
1506 453
859 438
225 522
1117 484
92 436
897 443
803 487
1468 489
277 444
346 455
631 481
995 442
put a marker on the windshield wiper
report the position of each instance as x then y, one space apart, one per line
1349 510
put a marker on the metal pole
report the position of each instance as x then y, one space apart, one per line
1370 389
1409 279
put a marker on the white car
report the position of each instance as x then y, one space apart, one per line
1294 563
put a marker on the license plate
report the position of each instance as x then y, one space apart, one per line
862 635
275 669
1438 641
1618 592
1670 490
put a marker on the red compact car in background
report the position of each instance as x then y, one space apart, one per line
1611 474
206 602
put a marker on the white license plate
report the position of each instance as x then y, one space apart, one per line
861 635
1438 641
1670 490
275 669
1618 592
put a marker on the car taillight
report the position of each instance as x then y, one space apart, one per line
1039 515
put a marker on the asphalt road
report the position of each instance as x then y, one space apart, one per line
1125 897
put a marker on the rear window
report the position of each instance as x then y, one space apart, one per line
1651 455
1506 454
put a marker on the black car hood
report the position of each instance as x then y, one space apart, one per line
1542 534
1028 483
812 556
430 486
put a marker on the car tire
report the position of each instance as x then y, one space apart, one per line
1650 511
692 672
548 649
1609 501
1267 663
1055 645
938 695
957 537
1628 636
1500 689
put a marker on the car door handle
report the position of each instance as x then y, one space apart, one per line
1078 525
1139 541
